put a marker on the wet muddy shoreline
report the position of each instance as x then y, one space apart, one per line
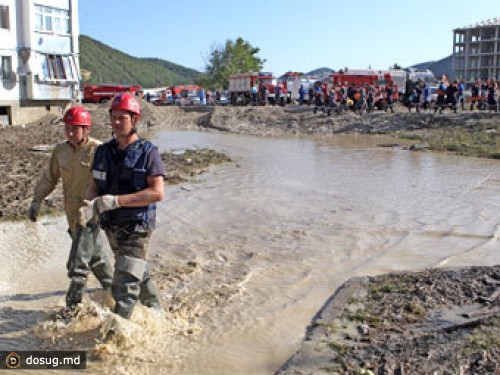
431 322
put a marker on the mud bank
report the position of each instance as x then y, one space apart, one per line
431 322
25 151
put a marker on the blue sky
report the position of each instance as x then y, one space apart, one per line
292 35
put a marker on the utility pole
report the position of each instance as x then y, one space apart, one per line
157 73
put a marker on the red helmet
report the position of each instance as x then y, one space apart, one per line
77 116
127 102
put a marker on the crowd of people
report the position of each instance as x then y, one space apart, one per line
418 95
483 96
343 97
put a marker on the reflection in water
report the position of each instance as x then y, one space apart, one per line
276 232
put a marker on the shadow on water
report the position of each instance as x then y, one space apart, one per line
31 297
38 296
14 321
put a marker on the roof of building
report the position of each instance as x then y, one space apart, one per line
486 23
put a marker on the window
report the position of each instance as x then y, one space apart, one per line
57 67
51 19
4 17
6 67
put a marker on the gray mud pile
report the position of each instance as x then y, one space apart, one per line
430 322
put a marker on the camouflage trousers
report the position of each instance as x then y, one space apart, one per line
131 280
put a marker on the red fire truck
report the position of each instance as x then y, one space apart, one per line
240 88
292 82
103 93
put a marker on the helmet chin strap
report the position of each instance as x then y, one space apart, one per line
84 137
134 123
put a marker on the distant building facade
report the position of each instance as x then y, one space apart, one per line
39 68
476 51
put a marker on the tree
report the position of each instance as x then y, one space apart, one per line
396 67
233 57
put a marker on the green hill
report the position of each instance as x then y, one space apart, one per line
108 65
440 67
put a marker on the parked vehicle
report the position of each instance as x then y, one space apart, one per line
224 100
188 95
291 81
104 93
240 88
165 97
179 95
424 75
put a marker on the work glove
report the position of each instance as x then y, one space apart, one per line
33 210
87 213
106 203
91 209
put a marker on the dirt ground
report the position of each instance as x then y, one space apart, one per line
25 151
433 322
430 322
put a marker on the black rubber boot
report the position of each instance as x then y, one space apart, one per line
102 271
74 295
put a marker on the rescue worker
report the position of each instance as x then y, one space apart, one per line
318 99
127 182
332 103
301 94
370 99
254 91
475 93
389 100
263 94
360 103
461 95
311 95
491 98
415 96
277 94
344 96
70 161
451 96
441 92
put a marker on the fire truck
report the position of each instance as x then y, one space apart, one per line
376 79
291 81
103 93
240 88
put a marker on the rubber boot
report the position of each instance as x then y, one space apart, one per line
126 290
148 295
102 271
99 264
129 273
74 295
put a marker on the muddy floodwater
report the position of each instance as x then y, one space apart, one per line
246 254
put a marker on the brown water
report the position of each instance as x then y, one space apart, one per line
273 235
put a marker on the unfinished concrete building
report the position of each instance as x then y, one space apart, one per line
476 51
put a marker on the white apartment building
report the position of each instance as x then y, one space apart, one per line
39 68
476 51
